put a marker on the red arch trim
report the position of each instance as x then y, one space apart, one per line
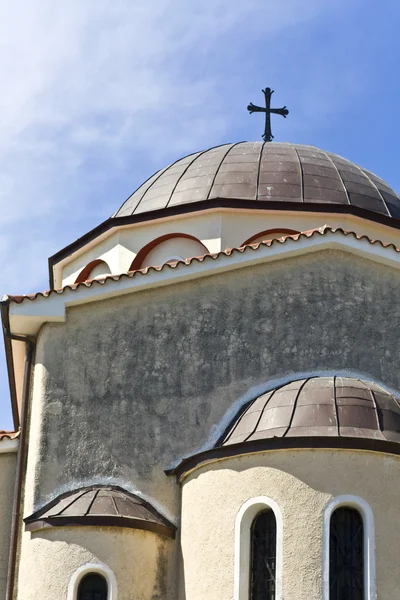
84 275
270 232
141 255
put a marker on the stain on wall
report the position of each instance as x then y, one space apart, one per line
134 384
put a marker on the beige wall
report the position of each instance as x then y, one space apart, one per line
7 479
216 229
302 483
141 561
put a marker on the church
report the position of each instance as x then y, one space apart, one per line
206 401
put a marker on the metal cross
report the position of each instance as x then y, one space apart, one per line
268 137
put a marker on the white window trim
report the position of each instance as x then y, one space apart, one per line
87 568
244 521
369 543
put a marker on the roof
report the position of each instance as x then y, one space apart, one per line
317 412
263 173
103 506
101 281
9 435
320 406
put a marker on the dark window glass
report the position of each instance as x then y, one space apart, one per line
346 555
263 557
93 587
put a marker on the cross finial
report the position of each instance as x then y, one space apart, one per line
268 137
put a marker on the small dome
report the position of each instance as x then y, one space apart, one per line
320 406
318 412
100 506
268 173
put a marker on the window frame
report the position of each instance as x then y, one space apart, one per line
86 569
243 528
369 542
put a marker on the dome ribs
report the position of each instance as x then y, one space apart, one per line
178 181
277 172
321 181
367 418
280 175
213 183
339 176
301 173
258 170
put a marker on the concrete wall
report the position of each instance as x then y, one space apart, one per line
129 386
8 462
301 483
142 562
135 383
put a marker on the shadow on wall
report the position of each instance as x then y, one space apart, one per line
140 561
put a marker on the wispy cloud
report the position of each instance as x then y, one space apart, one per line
94 90
96 95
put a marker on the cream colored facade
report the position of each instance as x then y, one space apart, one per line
8 455
134 562
302 483
215 230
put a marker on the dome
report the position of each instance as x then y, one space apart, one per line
320 406
290 175
100 506
317 412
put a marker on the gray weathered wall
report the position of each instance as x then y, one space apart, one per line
133 384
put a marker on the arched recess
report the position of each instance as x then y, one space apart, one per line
88 568
88 271
143 253
268 234
369 543
243 528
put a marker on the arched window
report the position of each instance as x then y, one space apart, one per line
263 557
92 586
258 550
348 550
346 555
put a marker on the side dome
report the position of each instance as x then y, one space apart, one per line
320 406
317 412
270 174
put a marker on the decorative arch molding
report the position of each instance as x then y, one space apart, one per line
244 521
369 542
84 275
270 232
141 255
87 568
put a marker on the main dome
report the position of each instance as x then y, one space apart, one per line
268 173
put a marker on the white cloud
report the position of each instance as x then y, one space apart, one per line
95 95
93 89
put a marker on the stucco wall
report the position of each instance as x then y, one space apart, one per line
7 479
128 386
301 483
141 562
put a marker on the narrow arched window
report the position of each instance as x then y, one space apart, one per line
263 557
93 587
346 555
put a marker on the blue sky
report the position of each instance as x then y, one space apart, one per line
98 95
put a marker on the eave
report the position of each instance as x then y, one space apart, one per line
28 313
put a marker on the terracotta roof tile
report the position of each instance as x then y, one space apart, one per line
325 229
9 435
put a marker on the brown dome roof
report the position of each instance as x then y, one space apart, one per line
267 173
320 406
100 506
318 412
